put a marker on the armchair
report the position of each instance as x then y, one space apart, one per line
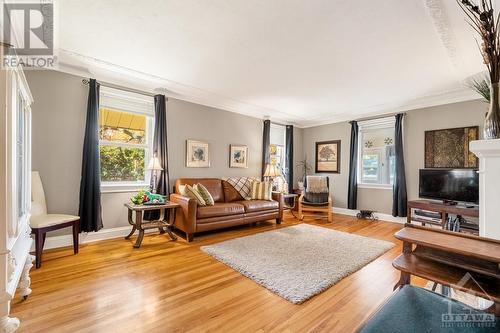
316 197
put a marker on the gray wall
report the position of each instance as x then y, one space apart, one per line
58 128
59 120
416 123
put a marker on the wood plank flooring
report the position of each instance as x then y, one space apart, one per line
168 286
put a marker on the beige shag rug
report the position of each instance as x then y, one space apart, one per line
298 262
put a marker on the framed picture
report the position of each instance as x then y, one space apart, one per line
197 154
449 148
328 156
238 156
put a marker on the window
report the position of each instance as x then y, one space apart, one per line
277 146
125 138
376 153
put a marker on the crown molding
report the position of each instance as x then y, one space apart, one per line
80 65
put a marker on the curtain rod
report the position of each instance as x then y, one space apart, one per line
380 116
115 86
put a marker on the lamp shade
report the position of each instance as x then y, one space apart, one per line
272 171
154 164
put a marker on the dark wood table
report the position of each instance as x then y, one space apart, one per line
461 261
292 207
161 224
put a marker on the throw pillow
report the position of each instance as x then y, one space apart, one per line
194 194
261 190
182 190
207 197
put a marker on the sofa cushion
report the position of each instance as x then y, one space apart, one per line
213 185
193 193
205 194
258 205
261 190
220 209
230 193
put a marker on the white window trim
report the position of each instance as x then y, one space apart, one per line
375 186
364 126
120 100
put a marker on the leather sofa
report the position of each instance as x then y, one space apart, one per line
230 208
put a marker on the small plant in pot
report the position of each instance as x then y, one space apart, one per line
304 167
482 19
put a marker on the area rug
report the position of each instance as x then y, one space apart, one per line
298 262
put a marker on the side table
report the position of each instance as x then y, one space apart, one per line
291 207
141 225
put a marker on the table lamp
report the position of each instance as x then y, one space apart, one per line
271 172
154 165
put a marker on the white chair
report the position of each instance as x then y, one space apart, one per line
41 222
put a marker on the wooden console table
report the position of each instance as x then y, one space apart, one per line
141 225
460 261
438 207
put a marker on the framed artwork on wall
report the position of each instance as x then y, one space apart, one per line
449 148
328 156
238 156
197 154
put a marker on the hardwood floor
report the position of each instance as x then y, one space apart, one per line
168 286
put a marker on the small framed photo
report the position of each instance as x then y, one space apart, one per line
197 154
328 156
238 156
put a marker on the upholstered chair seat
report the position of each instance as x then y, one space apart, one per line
40 221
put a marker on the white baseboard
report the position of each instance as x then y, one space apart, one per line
87 237
380 216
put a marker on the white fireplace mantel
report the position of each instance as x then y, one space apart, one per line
488 152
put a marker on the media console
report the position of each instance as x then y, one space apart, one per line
445 210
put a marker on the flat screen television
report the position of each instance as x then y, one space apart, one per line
450 185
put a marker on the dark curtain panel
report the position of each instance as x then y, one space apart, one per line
289 156
266 141
90 184
161 151
352 195
399 188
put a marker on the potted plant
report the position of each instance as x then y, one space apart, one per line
304 167
483 21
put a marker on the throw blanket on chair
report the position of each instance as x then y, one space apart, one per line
243 185
317 184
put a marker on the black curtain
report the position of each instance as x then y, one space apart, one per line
266 141
352 195
399 188
90 183
289 156
161 151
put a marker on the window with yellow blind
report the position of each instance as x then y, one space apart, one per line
125 139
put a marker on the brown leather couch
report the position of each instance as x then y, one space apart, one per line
230 208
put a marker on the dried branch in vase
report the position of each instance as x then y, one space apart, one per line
483 21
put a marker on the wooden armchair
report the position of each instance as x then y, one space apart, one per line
314 200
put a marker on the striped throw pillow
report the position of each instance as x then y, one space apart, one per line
192 193
207 197
261 191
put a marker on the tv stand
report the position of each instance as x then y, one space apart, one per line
444 209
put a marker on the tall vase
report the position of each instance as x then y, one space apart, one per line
492 122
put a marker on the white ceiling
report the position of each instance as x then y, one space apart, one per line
304 62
